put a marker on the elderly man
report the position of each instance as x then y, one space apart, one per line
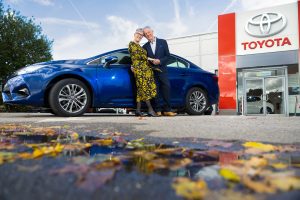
158 53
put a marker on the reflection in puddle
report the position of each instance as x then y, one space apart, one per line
252 166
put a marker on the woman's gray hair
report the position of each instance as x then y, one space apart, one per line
140 31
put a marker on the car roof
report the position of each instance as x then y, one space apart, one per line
126 49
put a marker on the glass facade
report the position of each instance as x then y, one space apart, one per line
268 90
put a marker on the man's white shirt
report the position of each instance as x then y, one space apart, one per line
153 45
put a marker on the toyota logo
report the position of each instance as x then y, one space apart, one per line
265 25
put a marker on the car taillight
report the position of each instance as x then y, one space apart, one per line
216 78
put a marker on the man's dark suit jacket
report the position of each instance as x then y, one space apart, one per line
161 52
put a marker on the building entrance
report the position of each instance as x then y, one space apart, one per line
265 92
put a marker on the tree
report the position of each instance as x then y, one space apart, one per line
21 42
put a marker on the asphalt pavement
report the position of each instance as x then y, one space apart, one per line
272 129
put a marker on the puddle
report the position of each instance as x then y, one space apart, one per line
260 168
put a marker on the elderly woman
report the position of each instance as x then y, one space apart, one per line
145 83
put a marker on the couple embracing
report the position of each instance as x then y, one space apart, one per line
149 65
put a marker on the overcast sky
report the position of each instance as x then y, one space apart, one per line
83 28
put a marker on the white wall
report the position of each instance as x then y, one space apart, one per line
201 49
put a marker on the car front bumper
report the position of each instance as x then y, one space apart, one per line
24 90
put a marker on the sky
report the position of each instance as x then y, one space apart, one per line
84 28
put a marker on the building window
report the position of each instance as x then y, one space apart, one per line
293 90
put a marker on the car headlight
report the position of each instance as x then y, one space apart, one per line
29 69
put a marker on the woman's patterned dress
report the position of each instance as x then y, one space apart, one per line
145 83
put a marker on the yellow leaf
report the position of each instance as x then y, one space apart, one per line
261 146
58 148
190 189
160 163
270 156
229 175
7 157
37 153
44 131
257 162
279 165
74 136
181 163
167 151
286 183
260 186
25 155
104 142
145 155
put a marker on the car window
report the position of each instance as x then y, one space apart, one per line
172 62
253 98
177 63
123 58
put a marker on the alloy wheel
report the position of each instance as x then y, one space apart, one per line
72 98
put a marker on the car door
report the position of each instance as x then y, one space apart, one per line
178 75
116 86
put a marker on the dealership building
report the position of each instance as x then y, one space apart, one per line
256 56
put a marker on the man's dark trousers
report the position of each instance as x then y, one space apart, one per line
163 84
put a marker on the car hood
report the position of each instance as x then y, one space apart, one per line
52 62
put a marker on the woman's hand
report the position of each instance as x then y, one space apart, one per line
132 69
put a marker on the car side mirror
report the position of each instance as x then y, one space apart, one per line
110 60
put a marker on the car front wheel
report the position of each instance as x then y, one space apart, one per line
196 101
69 98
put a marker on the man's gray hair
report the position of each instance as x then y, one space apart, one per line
147 27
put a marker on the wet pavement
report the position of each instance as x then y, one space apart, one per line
59 162
276 129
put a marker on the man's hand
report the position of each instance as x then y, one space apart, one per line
156 61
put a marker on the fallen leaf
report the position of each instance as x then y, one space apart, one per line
286 183
260 186
7 157
159 163
74 136
279 165
257 162
167 151
260 146
6 146
190 189
108 164
229 175
180 163
104 142
77 146
43 131
145 155
25 155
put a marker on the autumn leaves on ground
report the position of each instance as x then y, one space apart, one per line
217 170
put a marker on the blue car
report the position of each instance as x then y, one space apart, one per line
70 87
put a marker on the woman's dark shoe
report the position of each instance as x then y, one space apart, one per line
138 114
152 114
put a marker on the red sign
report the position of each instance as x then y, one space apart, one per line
277 42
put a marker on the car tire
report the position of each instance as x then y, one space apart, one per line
269 110
69 98
196 101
